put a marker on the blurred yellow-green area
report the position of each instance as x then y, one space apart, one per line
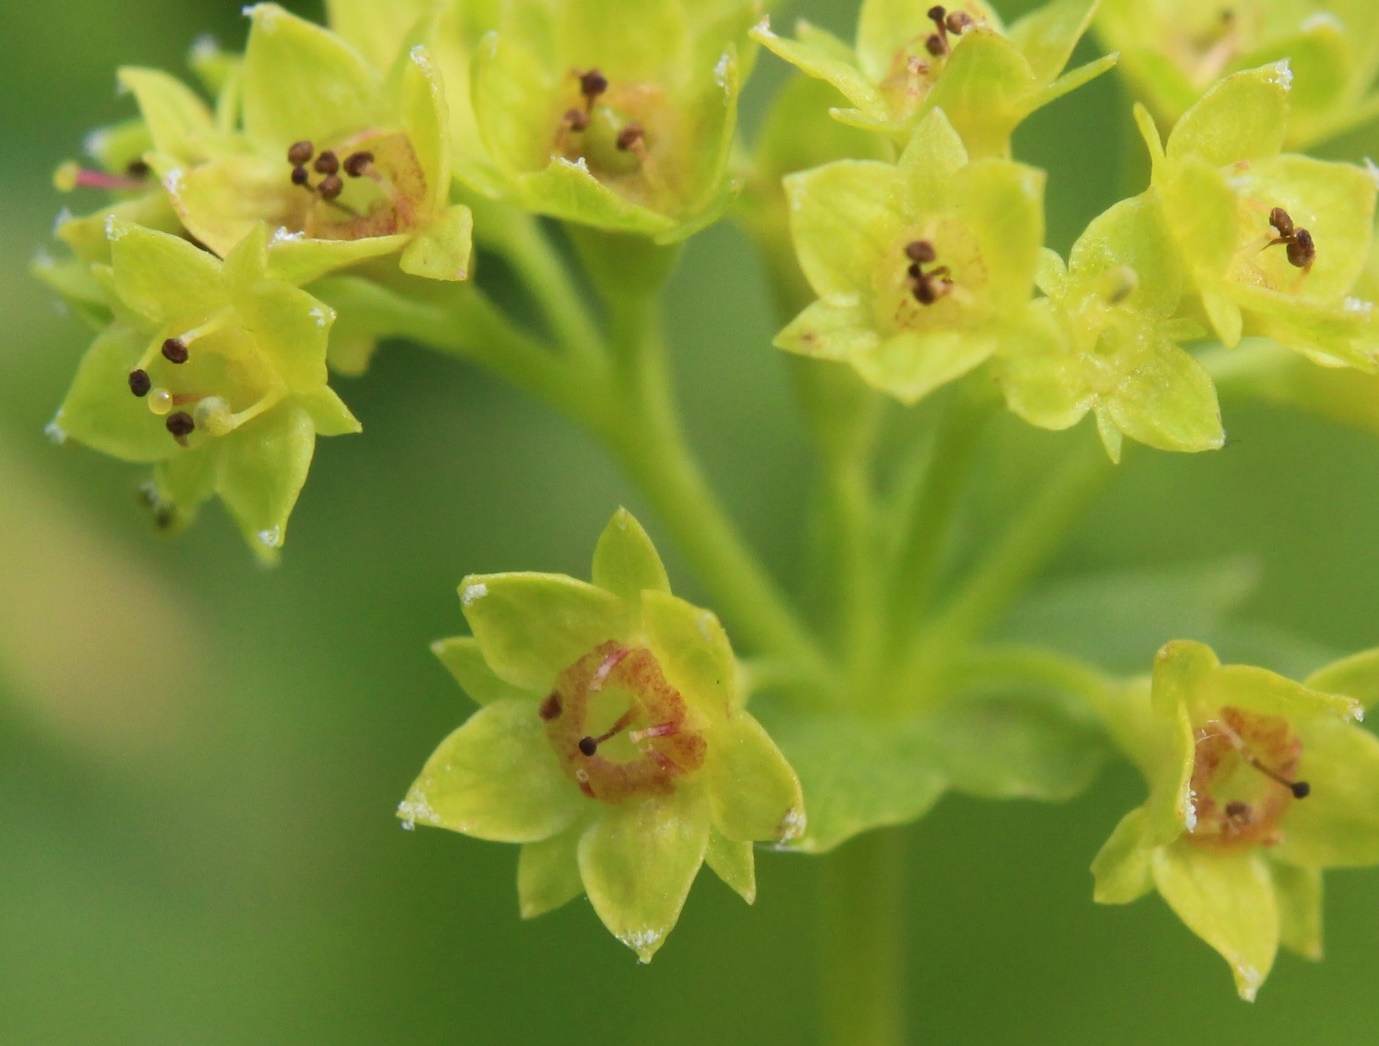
200 759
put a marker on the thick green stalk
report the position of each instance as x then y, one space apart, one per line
862 956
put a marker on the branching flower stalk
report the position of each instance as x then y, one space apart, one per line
335 187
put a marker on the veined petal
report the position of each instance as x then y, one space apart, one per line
163 277
838 327
693 651
626 562
465 661
1123 868
497 777
1299 894
1337 825
263 471
99 410
734 863
843 217
1243 117
175 116
548 872
638 861
754 794
914 363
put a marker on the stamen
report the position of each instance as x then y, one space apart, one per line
300 153
137 169
661 730
1300 789
181 424
630 138
959 21
331 187
577 119
327 163
937 44
357 163
1281 221
175 350
1302 252
921 251
588 745
139 383
301 176
591 85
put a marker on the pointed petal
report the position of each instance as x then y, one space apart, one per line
914 363
638 861
837 327
1048 35
1168 401
163 277
497 778
462 656
548 873
1123 868
843 217
531 627
1299 893
99 410
1228 900
175 116
263 471
626 562
754 794
441 251
1337 825
693 651
1242 118
734 863
1356 676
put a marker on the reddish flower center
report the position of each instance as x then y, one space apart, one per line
619 728
1244 779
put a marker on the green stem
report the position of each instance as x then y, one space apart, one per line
931 507
863 961
642 430
1033 536
547 278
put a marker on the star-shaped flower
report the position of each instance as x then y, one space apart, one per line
924 269
1257 784
911 59
213 372
611 742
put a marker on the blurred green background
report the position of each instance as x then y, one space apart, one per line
199 759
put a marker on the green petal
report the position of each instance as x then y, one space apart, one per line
164 277
1047 36
984 90
1259 690
626 562
843 218
1124 866
425 121
1299 895
754 794
221 201
548 873
1003 204
462 656
1133 233
693 651
497 777
1242 118
302 82
838 327
914 363
291 328
857 773
638 861
1171 809
1356 676
826 58
1337 825
1168 401
99 410
569 191
441 251
935 154
376 30
1040 370
531 627
1227 899
512 87
186 481
1201 211
734 863
299 260
177 119
263 471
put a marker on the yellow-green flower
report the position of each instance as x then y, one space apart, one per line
611 742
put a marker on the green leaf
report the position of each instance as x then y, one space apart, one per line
1123 867
857 773
1017 747
1337 825
1299 895
1228 900
638 861
734 863
754 795
693 651
548 872
441 251
302 82
531 627
465 661
497 778
626 562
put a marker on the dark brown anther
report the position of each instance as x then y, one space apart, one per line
137 169
550 707
577 119
1300 789
331 187
180 424
588 745
175 350
1282 223
357 163
921 251
958 22
936 45
327 163
300 175
139 383
630 137
592 84
936 14
300 153
914 271
1302 252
